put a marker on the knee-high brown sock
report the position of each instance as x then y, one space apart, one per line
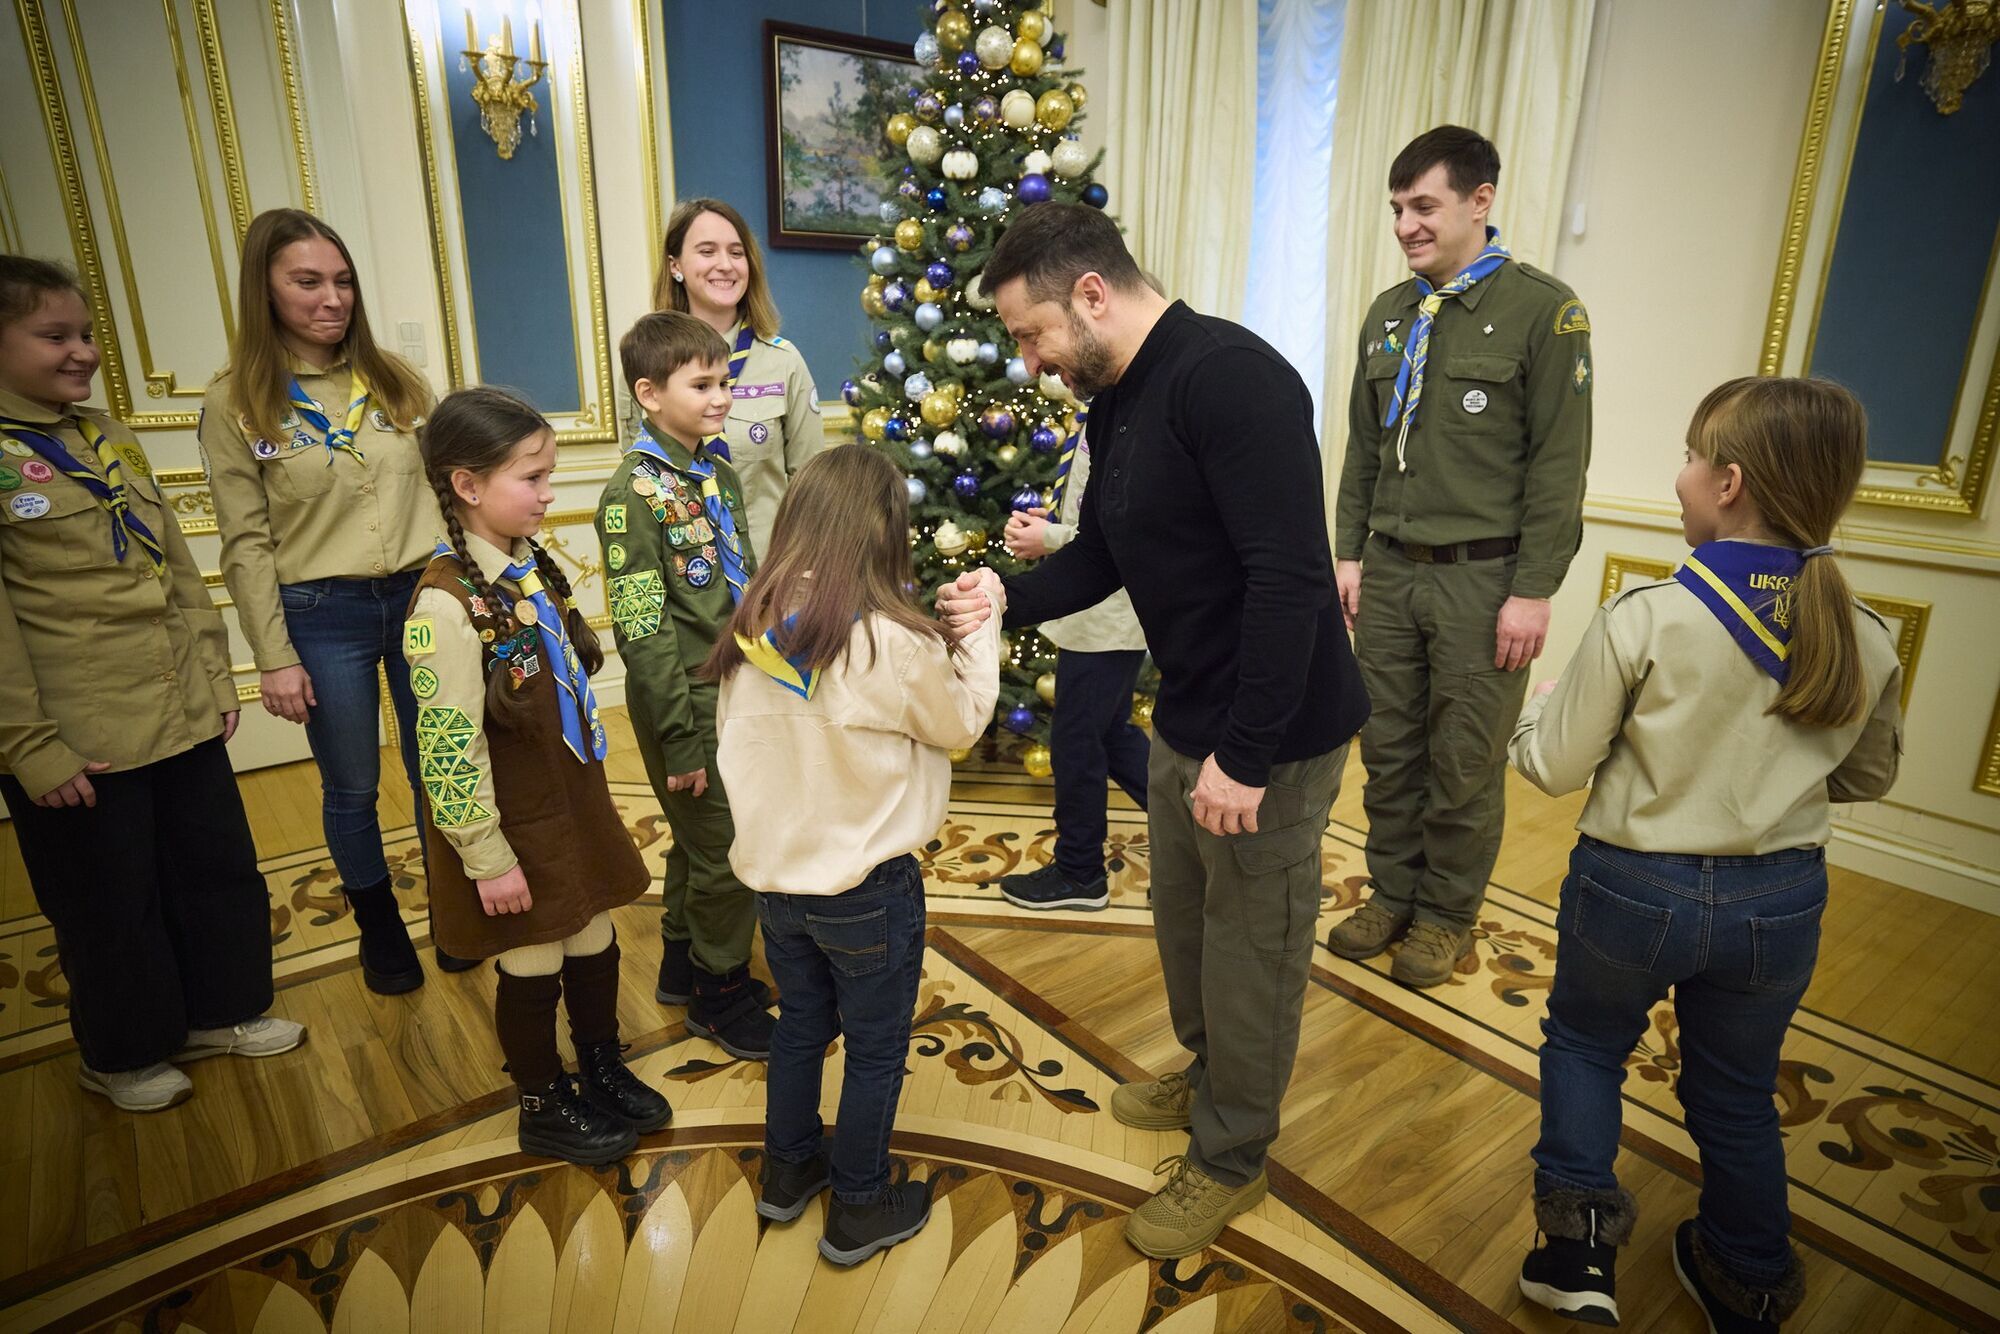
524 1012
590 993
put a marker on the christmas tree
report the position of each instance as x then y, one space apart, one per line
990 129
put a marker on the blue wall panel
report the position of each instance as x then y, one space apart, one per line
522 316
1917 233
715 79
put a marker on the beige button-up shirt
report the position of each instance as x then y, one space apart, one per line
1111 624
1664 716
290 511
101 660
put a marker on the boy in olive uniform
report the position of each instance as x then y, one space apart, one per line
1461 504
677 555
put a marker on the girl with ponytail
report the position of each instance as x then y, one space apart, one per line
528 855
1716 715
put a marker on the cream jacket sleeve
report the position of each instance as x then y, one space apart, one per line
456 768
948 702
243 517
1869 770
805 433
1563 736
35 754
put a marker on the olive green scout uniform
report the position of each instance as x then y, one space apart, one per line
669 603
1494 458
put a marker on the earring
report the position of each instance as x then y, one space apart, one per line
677 277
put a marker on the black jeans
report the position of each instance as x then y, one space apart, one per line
1091 738
846 965
161 917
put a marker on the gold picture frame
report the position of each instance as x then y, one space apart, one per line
1956 482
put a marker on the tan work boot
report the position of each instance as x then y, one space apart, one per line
1372 929
1430 954
1189 1212
1157 1104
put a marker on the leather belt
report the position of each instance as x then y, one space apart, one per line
1485 548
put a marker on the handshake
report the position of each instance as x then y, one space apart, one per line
966 602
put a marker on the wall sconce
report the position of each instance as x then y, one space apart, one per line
1960 35
502 95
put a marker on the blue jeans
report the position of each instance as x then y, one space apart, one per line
1091 737
342 629
1736 939
845 964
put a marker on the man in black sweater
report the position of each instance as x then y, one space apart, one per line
1206 504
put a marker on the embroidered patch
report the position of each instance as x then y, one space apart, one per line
444 739
419 638
700 572
423 682
16 448
1580 377
637 599
1571 318
29 505
37 471
380 421
614 556
134 458
614 518
759 433
264 449
9 479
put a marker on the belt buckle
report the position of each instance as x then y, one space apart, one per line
1417 551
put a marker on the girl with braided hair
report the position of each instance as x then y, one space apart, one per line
527 853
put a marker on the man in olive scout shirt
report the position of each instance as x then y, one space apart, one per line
1461 504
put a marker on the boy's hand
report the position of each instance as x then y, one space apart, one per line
1027 533
694 784
505 893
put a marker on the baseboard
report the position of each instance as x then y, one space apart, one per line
1914 868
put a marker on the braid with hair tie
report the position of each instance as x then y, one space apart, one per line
456 531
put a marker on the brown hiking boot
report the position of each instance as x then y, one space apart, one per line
1430 953
1157 1104
1372 929
1189 1212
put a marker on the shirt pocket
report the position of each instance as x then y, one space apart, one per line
392 452
756 431
73 533
1478 393
299 475
1381 372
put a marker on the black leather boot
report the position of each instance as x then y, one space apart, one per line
388 960
557 1121
726 1012
676 984
611 1086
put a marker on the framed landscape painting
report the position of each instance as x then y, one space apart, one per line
827 98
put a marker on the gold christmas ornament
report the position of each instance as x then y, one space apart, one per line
956 388
909 234
932 352
939 409
1033 25
1035 759
1045 686
925 292
975 540
874 423
954 30
871 302
1078 95
1054 109
899 128
1027 58
1142 710
1007 454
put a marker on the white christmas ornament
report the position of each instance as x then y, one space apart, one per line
916 387
961 164
949 538
1055 390
1070 158
949 443
1036 162
975 294
994 46
961 350
1017 109
925 145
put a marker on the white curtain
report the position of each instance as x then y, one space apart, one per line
1511 69
1180 118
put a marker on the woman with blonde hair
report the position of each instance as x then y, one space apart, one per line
310 436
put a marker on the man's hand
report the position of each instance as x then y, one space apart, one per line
229 721
288 693
77 791
1347 579
505 893
1518 638
963 603
694 783
1222 805
1027 533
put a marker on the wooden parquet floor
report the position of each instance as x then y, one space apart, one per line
370 1180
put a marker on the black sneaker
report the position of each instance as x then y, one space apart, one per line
856 1231
558 1122
1722 1319
1573 1278
726 1012
676 982
789 1187
612 1087
1049 887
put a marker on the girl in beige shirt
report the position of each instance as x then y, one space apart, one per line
839 701
1715 715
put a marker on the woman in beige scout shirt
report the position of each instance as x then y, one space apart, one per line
712 269
310 438
115 704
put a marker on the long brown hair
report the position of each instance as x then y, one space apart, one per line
839 550
756 309
257 355
478 429
1802 445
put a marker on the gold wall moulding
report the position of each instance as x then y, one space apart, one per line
502 95
1987 780
1616 567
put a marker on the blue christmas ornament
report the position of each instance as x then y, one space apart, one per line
1042 439
1056 48
850 393
1017 369
882 340
1020 718
894 364
940 274
936 198
928 106
988 353
883 260
896 429
954 116
896 295
918 491
929 317
966 484
1096 195
926 49
920 448
890 210
909 189
968 64
916 387
1034 188
992 199
1026 498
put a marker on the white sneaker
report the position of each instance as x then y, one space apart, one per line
153 1088
265 1036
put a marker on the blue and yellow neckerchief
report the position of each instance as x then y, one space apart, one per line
702 470
745 338
788 671
1064 462
1748 586
108 490
1409 389
337 438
